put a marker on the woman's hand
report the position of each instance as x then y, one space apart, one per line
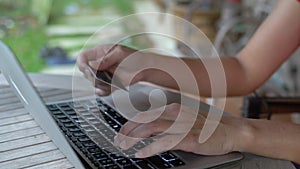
114 59
177 127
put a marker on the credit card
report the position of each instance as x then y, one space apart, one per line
106 77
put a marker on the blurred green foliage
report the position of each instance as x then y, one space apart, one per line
23 23
20 30
123 7
26 47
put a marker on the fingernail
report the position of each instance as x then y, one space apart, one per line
116 140
139 154
87 72
100 92
123 144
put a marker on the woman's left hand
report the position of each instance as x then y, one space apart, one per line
177 127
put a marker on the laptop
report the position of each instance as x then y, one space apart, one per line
84 128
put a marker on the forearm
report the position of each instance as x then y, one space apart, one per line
219 74
272 139
225 74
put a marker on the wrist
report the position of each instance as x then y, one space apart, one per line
246 136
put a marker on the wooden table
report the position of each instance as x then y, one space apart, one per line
23 144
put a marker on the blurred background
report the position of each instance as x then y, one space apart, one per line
47 35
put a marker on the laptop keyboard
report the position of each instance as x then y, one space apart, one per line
91 127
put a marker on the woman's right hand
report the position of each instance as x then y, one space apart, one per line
115 60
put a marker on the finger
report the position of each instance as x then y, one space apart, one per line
114 54
188 143
84 57
165 143
139 119
156 119
129 142
126 128
96 64
87 74
143 131
152 117
101 92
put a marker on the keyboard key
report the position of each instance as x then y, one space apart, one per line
116 116
106 131
61 116
68 125
52 107
122 120
66 120
99 100
58 112
94 121
147 141
78 134
177 162
75 117
74 129
130 152
112 167
104 143
115 156
70 113
63 105
81 110
88 129
136 159
100 126
88 144
139 146
90 157
168 156
110 122
83 124
111 136
130 167
116 127
99 155
63 129
110 149
102 108
159 162
89 117
94 150
145 165
68 134
84 139
106 162
67 108
124 161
